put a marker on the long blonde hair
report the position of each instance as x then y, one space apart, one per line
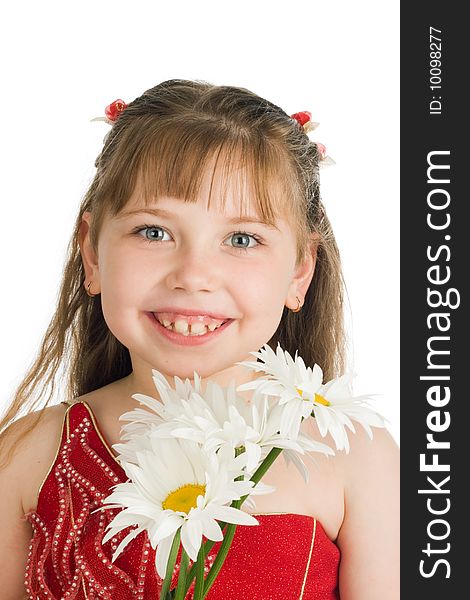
164 139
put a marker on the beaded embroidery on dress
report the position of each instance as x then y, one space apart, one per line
287 556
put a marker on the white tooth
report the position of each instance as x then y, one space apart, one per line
202 332
181 326
166 322
198 327
212 326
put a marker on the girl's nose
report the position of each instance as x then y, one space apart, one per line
193 272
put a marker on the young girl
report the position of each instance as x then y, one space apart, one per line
201 238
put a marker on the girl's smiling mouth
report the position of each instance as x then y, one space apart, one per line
189 324
187 331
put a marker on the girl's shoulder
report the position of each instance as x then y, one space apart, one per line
366 456
369 533
42 430
370 467
31 444
369 458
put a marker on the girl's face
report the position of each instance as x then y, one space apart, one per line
178 257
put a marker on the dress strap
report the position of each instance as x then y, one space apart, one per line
68 402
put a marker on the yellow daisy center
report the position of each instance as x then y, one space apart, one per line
184 498
320 400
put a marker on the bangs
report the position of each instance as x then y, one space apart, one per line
175 158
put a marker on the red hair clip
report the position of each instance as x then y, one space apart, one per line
321 149
112 111
304 119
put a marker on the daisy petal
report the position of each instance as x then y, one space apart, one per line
191 537
130 536
211 529
229 514
168 526
162 555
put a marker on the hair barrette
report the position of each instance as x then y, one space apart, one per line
304 119
112 111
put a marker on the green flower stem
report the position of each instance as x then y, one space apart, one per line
165 592
193 570
257 475
199 587
221 554
180 590
264 466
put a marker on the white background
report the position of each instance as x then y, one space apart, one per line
63 63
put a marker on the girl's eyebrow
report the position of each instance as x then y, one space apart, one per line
161 212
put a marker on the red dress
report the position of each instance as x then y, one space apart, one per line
287 556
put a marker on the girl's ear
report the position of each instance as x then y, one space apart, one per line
89 256
303 274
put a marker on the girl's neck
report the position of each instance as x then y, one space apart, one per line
142 383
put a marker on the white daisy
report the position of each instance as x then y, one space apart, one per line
223 421
290 380
336 414
176 486
301 393
142 421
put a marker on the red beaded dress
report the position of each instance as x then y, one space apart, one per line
286 556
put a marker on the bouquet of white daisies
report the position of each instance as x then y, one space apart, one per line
194 458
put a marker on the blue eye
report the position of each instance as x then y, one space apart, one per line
152 234
240 235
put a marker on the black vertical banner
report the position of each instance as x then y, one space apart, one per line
435 267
